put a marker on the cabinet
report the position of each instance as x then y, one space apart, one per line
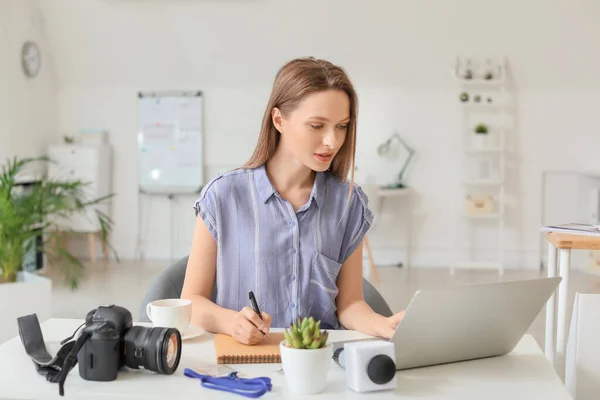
91 164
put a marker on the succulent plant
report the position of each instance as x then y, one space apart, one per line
306 334
481 129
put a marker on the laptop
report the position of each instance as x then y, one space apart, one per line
459 323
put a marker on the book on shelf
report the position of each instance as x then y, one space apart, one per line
573 228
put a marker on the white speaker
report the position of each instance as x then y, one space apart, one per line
370 366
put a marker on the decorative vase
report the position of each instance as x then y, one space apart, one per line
306 370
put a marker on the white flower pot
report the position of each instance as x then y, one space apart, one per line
306 370
480 141
30 294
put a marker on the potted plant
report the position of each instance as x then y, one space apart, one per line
24 218
306 356
481 135
30 222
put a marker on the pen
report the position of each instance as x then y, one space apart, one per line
255 306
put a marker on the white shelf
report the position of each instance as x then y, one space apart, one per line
492 108
483 216
482 83
497 116
475 150
483 182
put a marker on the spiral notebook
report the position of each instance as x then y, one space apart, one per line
230 351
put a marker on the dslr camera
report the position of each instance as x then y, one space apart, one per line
107 343
114 342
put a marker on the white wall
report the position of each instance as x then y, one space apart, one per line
27 106
4 56
398 53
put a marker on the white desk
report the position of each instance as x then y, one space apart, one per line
523 374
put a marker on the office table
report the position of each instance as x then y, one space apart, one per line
523 374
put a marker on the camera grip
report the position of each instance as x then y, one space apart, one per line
99 358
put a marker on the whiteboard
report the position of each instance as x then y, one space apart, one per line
170 142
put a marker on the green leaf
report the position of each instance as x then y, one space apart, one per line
296 337
316 328
307 338
288 337
324 336
304 324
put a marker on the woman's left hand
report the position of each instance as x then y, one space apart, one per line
388 325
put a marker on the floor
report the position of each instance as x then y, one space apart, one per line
124 284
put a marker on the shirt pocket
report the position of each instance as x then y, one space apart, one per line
323 289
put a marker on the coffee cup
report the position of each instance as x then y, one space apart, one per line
171 313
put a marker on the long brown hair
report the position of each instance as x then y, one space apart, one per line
296 79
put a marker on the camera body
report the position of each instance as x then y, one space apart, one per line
370 365
113 342
101 356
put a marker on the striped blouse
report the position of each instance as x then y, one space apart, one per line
291 260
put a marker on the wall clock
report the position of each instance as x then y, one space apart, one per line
31 59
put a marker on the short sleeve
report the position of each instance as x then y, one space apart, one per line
360 219
206 207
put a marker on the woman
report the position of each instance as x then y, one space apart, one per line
288 225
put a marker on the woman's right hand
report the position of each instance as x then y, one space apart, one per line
248 328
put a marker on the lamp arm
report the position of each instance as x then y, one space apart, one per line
410 156
406 146
411 153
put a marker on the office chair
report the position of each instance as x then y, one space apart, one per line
169 283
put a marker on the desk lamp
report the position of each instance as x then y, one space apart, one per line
385 149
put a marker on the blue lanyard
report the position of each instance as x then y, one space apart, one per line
254 387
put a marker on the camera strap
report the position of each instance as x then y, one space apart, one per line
56 368
71 358
33 341
253 388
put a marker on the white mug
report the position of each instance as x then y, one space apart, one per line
172 313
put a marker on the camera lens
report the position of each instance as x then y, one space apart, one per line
173 346
153 348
